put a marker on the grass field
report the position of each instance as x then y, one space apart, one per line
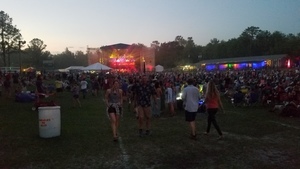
253 138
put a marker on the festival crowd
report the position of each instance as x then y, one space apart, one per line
152 94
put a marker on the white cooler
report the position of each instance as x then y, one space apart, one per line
49 121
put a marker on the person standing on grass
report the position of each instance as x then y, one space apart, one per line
95 87
114 102
124 87
130 94
1 83
158 93
83 87
75 94
174 93
213 103
40 88
169 99
143 93
16 84
191 97
7 86
58 85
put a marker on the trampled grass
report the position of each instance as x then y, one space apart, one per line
254 138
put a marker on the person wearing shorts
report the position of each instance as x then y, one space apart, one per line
114 101
191 97
83 87
143 93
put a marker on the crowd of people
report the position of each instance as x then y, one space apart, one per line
149 95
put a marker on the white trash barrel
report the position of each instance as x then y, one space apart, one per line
49 121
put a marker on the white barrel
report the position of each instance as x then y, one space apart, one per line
49 121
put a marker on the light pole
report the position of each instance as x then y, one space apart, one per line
20 60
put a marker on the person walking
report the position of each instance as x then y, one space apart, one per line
114 101
75 94
95 87
191 97
213 104
170 99
83 87
156 108
143 92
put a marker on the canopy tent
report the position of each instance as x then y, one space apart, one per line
63 70
75 68
96 66
159 68
70 69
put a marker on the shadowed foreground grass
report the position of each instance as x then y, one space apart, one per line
254 138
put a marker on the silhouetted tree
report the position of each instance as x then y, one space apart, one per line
9 38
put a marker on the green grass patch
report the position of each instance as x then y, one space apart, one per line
254 138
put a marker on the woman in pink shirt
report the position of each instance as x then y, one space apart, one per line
213 103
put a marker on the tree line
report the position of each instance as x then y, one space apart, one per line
252 42
34 54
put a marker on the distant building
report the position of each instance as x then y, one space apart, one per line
123 57
251 62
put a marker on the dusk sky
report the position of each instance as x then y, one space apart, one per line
77 24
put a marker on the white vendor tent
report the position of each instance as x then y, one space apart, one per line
71 68
63 70
159 68
74 68
96 66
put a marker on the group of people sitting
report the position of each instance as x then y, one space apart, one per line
276 90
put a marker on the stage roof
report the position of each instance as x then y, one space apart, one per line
115 46
243 59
